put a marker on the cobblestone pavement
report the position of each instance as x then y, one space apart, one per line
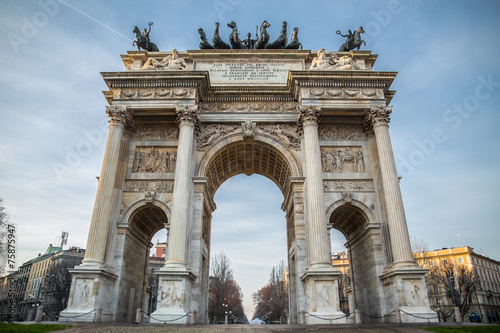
129 328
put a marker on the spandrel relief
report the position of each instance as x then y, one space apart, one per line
212 133
285 133
154 160
345 159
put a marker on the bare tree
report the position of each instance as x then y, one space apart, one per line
225 294
4 220
272 300
58 283
419 248
458 282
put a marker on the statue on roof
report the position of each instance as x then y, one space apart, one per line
142 39
333 63
204 44
171 62
353 41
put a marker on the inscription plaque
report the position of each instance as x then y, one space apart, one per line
248 71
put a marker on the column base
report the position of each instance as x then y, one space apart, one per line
407 291
174 296
321 286
90 289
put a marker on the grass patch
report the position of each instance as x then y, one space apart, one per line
464 329
33 328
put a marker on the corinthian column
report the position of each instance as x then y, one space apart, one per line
318 244
400 241
179 221
103 206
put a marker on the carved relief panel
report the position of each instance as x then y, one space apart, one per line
156 132
342 159
148 185
285 133
155 93
341 132
154 159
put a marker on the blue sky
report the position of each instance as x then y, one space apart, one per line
443 127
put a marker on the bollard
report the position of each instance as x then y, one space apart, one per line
302 318
39 314
98 315
281 320
357 317
398 316
138 316
225 320
193 316
458 314
215 320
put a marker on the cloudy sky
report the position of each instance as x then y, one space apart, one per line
444 126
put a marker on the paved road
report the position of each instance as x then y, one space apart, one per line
128 328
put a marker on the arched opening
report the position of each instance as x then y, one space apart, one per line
135 237
351 219
250 228
219 166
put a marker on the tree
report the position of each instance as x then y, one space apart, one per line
58 283
458 282
272 299
4 220
225 294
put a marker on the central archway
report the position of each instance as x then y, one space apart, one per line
263 156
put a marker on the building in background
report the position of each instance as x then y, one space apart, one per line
485 276
340 260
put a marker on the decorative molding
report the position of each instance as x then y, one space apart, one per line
154 160
348 186
345 159
249 107
342 93
285 133
341 132
149 185
188 115
156 132
212 133
155 93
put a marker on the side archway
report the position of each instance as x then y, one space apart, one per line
357 223
142 220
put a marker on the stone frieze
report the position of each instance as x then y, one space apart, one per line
154 160
341 132
249 107
342 93
156 132
155 93
149 185
348 185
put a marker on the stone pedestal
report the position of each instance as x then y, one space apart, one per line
90 290
322 289
406 291
174 297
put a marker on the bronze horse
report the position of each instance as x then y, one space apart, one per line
263 37
355 43
140 41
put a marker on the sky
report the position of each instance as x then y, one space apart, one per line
443 127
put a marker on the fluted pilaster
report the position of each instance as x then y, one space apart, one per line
177 249
319 248
400 241
103 206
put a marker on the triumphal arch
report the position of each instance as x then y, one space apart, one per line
182 123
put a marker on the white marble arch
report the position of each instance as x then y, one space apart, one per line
205 160
135 206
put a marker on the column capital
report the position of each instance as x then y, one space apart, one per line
379 115
187 115
119 115
308 115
